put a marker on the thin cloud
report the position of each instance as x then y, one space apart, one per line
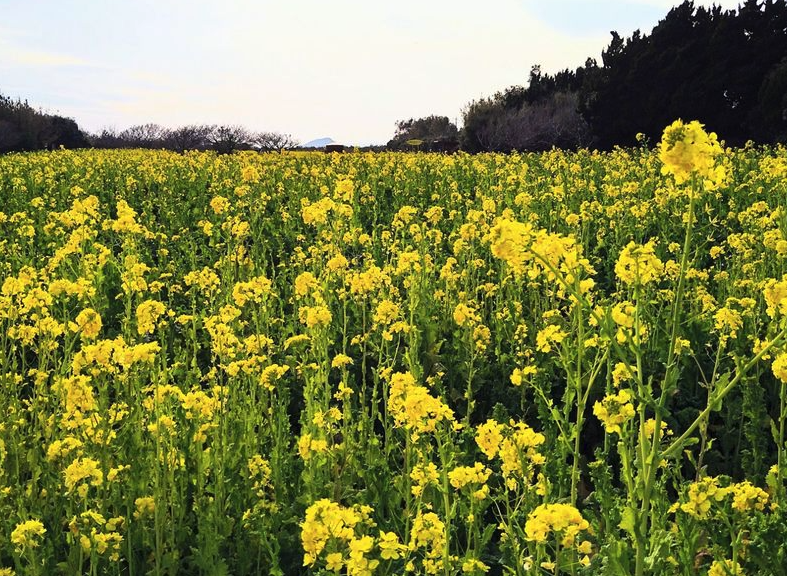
14 55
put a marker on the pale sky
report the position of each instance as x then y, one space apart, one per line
344 69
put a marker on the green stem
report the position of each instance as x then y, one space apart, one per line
580 404
650 464
678 443
780 457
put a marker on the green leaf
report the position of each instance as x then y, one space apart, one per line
629 520
774 431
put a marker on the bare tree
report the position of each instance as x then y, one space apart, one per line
227 138
144 136
191 137
553 121
107 137
272 141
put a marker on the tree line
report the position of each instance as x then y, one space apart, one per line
222 138
725 68
24 128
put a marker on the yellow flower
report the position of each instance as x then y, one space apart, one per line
779 367
327 521
548 336
148 314
305 283
728 321
337 263
272 374
252 291
205 279
343 391
386 312
687 149
390 547
423 475
26 534
775 292
428 531
614 410
474 566
308 446
725 568
516 377
145 506
462 476
563 519
250 174
412 407
334 561
61 448
219 204
746 496
488 437
315 316
701 495
293 340
463 314
510 241
76 393
638 264
126 220
650 428
341 360
83 469
316 213
88 323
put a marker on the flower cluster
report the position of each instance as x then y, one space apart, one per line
413 407
563 520
614 411
687 149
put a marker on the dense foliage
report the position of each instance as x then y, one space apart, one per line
728 68
566 363
24 128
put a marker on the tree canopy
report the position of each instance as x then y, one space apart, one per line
24 128
430 132
725 68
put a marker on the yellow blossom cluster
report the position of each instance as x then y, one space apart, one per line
413 407
462 476
725 568
687 149
335 533
427 536
517 444
27 534
564 520
709 490
614 411
638 264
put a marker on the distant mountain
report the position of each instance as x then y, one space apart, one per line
319 143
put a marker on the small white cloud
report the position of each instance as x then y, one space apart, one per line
13 55
35 58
